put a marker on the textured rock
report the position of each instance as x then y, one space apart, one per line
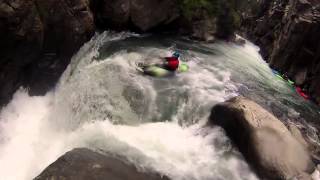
186 17
264 140
38 37
148 14
141 15
67 25
84 164
209 20
111 13
21 34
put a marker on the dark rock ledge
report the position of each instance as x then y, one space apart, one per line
85 164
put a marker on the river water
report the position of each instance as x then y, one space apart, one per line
101 102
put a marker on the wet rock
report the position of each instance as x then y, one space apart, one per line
38 38
265 142
84 164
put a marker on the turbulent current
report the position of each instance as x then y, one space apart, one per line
103 103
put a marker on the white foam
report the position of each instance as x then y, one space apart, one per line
25 147
181 153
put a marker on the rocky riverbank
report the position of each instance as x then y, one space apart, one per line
288 34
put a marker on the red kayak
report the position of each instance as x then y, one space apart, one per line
301 93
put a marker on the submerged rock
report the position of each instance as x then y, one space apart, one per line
84 164
265 142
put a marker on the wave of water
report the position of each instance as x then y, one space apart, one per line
103 103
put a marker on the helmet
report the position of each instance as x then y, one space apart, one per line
176 54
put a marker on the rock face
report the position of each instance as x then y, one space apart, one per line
111 13
84 164
142 15
264 140
203 20
288 35
38 38
147 14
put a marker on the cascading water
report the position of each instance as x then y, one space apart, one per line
103 103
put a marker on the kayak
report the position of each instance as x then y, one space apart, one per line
290 82
301 93
157 71
278 75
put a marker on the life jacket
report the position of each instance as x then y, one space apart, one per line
172 63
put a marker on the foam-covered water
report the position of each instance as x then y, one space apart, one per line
103 103
30 143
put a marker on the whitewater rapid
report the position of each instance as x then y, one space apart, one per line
101 102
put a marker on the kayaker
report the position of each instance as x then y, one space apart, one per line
171 63
168 67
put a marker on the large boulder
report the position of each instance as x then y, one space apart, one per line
265 142
38 38
84 164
